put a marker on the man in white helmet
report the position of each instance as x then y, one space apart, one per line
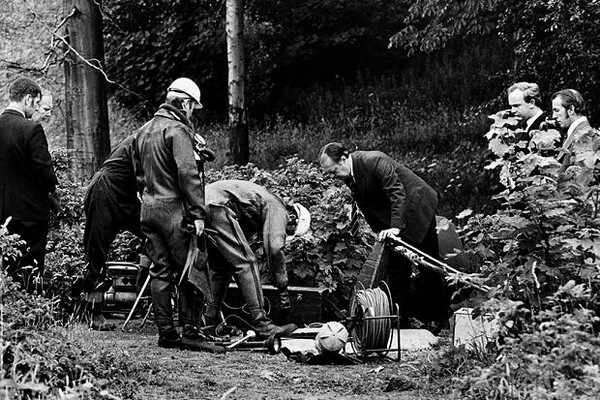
236 210
172 211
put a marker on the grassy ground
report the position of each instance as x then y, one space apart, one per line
156 373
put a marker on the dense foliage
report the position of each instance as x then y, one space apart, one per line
554 43
540 255
289 44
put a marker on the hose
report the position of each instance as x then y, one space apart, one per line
371 333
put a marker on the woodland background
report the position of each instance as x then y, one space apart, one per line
416 79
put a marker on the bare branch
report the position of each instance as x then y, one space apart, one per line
16 65
62 39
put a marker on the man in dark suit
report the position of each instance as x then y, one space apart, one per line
525 102
394 202
26 177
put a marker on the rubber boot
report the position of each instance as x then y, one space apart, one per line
169 339
265 327
188 305
162 291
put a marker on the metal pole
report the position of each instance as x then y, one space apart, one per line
137 300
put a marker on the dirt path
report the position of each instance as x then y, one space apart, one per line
154 373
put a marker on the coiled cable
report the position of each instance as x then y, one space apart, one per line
371 333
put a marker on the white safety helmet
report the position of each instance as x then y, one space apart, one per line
303 221
185 88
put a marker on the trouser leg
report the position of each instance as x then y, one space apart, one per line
435 293
220 275
188 301
101 227
31 265
162 293
399 271
426 295
236 252
166 245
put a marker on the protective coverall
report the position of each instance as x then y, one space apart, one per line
236 210
172 199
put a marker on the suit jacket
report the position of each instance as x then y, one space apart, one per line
582 133
117 175
525 135
26 172
392 196
537 122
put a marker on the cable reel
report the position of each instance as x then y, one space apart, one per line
372 319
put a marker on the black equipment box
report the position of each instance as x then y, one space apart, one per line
309 304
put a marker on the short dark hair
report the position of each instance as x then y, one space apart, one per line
21 87
334 150
571 97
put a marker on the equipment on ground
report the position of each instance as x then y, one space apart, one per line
332 337
372 318
249 335
123 291
137 300
309 304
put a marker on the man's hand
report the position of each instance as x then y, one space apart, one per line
199 225
386 233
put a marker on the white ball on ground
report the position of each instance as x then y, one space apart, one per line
332 337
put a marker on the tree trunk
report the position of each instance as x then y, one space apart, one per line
85 88
238 128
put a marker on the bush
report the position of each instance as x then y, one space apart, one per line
329 255
38 358
539 254
552 354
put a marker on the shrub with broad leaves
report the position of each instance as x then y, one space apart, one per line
540 254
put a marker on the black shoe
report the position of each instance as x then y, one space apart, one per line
169 339
169 343
200 345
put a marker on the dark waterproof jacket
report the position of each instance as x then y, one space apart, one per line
257 210
166 157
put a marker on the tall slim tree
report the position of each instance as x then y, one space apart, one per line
85 87
238 136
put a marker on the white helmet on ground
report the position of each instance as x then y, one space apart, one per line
185 88
331 338
303 220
